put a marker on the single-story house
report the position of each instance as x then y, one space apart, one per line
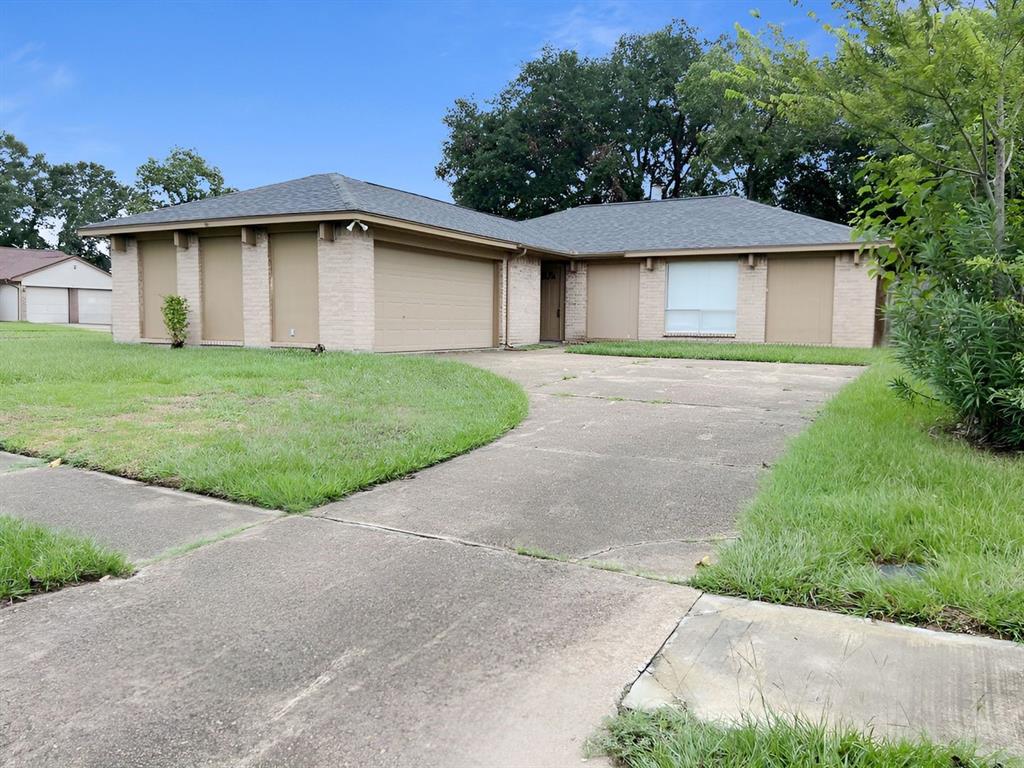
44 286
331 260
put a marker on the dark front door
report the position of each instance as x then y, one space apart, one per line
552 301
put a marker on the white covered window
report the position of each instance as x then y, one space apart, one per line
701 297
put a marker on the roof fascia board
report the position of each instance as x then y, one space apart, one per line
250 221
740 250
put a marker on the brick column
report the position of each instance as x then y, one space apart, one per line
751 299
256 291
126 296
576 303
345 280
189 287
651 323
853 303
523 300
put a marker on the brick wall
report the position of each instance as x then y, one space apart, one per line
751 299
125 298
853 303
345 283
524 300
256 291
576 303
189 287
651 306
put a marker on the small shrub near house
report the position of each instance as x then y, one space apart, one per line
175 311
958 324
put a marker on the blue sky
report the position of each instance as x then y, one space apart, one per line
274 91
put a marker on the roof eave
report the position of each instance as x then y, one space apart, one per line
729 250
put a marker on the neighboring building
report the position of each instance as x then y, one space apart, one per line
352 265
52 287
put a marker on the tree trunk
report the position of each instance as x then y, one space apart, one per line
999 181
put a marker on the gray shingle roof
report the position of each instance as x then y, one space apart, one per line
684 223
704 222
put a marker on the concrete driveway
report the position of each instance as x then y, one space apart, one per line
327 640
641 463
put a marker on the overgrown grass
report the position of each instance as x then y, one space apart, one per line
708 350
283 429
672 739
34 558
878 481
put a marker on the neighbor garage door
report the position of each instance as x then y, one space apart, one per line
613 293
46 305
800 299
425 300
93 306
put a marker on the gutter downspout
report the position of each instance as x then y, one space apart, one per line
519 253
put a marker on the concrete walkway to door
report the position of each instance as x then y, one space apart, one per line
643 464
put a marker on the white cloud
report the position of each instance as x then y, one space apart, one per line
592 28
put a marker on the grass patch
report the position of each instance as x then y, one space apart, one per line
874 482
34 558
284 429
708 350
672 739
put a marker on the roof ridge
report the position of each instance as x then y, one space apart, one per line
793 213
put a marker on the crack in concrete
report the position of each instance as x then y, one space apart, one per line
678 403
705 540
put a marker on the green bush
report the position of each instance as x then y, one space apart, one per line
958 324
175 311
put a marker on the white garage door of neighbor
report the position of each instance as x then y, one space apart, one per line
429 301
8 302
46 305
93 307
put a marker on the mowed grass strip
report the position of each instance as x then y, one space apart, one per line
877 511
34 558
284 429
673 739
707 350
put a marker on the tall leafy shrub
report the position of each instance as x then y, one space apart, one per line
958 323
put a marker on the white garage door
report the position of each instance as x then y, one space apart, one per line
93 307
8 302
428 301
46 305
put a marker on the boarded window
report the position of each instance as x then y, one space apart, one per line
701 297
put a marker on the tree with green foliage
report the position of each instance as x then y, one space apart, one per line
79 194
937 89
22 194
183 176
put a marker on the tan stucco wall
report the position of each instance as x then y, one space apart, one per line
576 302
751 299
124 301
853 303
189 287
651 306
346 295
524 300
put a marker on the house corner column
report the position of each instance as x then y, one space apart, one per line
854 300
523 299
256 290
751 299
576 302
345 289
126 296
651 320
189 285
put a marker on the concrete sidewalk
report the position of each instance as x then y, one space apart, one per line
729 658
142 521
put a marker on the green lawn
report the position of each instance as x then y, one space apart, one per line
671 739
283 429
709 350
35 559
875 481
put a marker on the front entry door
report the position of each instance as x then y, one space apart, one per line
552 301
